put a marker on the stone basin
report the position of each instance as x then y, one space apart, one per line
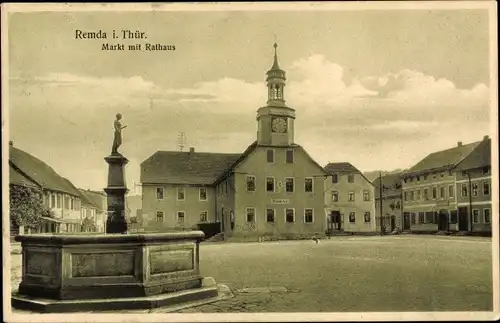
135 268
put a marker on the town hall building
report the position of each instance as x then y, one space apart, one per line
273 189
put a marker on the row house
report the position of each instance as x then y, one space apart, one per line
93 214
436 190
272 189
59 194
389 200
349 200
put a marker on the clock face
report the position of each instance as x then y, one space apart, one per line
278 125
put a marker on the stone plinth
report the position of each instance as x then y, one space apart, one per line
137 269
116 190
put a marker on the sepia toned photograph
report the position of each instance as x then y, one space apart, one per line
265 162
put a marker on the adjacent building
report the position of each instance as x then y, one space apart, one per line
272 189
436 190
93 212
59 194
388 194
349 200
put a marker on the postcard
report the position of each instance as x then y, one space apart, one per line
259 161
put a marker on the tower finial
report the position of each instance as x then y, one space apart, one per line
275 63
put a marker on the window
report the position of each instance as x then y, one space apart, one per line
486 188
451 191
289 184
290 215
203 194
418 195
335 178
412 195
308 216
429 217
434 193
66 202
160 193
352 217
180 216
475 189
350 178
250 214
289 156
464 190
335 196
250 183
58 201
486 170
421 217
53 200
418 178
487 215
475 216
270 155
270 215
425 177
441 192
413 217
72 204
406 196
450 173
204 216
270 184
180 194
453 217
367 217
366 195
159 216
351 197
308 185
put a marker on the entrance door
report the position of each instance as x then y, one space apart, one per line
443 221
393 223
463 219
406 221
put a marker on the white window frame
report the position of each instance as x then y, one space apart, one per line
489 188
199 194
442 189
254 215
337 196
289 208
312 214
274 184
353 196
484 216
466 189
336 176
437 193
162 216
477 189
274 215
366 193
177 216
177 193
418 195
206 216
293 156
349 217
478 216
254 182
353 178
452 186
163 193
274 155
293 181
364 217
312 184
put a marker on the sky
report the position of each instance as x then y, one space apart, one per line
380 89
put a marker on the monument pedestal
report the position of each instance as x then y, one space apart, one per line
70 273
116 190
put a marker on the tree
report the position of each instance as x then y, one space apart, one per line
27 207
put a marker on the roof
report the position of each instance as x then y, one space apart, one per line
17 178
96 198
346 168
443 159
479 157
391 184
86 200
39 172
174 167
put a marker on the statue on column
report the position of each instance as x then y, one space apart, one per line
118 134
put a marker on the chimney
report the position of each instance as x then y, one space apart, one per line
11 143
486 137
191 150
459 144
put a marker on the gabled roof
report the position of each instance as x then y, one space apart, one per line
443 159
39 172
391 185
344 168
17 178
174 167
479 157
96 198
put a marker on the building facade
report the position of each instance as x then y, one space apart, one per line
388 194
273 189
349 200
432 194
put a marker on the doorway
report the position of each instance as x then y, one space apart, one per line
443 220
463 219
393 223
406 221
334 221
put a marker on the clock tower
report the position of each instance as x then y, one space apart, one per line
275 120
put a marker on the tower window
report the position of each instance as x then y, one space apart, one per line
270 155
289 156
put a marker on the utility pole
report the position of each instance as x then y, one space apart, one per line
381 208
181 141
